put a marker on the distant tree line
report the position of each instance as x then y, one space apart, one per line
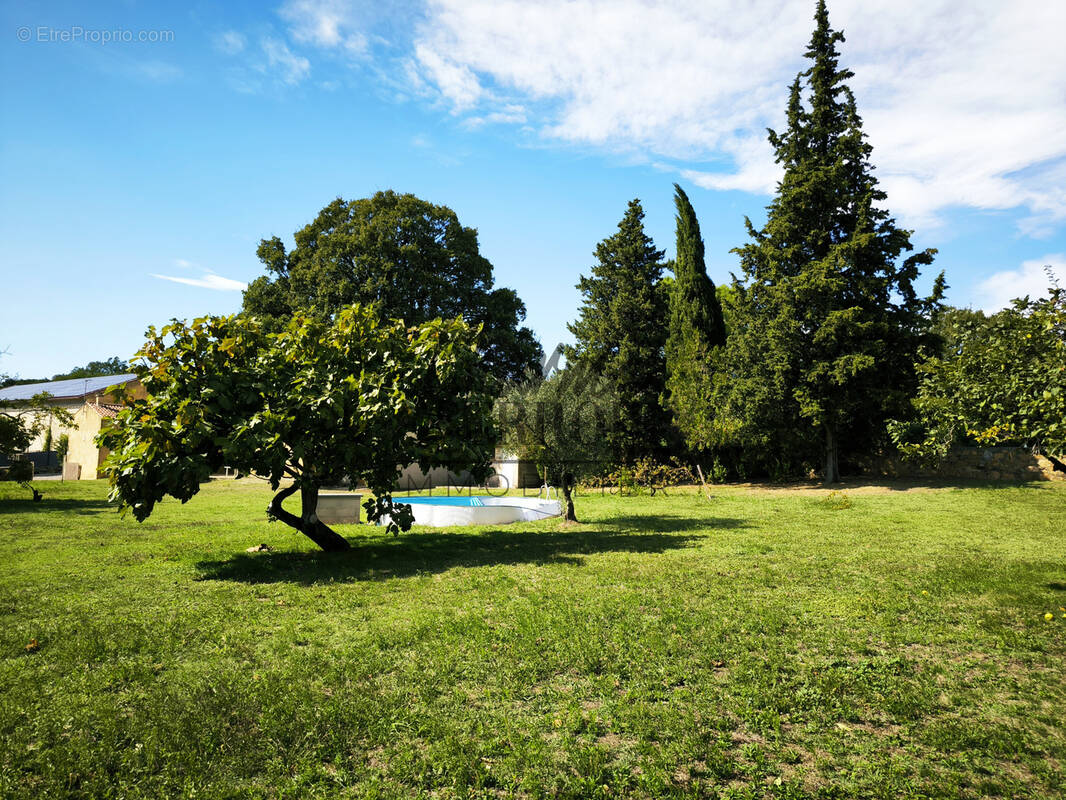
94 369
820 352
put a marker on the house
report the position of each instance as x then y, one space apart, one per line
93 408
89 402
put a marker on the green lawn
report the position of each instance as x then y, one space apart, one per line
765 643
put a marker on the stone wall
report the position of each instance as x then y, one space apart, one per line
978 463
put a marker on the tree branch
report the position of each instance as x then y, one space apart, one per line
277 512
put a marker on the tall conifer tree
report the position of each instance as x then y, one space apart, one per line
828 323
696 329
621 332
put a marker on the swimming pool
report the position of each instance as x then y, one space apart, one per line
478 510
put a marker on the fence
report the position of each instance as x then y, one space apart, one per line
43 463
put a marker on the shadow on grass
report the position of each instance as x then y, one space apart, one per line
653 523
421 553
22 505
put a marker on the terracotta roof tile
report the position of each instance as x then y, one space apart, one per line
105 409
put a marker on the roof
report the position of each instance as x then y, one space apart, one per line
71 388
105 409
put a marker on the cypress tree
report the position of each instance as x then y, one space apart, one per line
827 322
696 329
621 333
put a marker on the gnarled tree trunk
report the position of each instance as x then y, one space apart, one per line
568 497
308 522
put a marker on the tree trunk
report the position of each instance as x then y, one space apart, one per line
568 497
308 522
832 468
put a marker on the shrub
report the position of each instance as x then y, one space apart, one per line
645 474
62 448
836 501
21 471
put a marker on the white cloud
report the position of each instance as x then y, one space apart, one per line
208 281
511 113
291 67
456 81
1030 279
230 43
328 23
964 103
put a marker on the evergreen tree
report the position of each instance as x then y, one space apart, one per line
696 328
827 321
621 333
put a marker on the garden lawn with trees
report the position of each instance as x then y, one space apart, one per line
766 643
735 641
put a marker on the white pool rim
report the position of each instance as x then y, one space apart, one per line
479 511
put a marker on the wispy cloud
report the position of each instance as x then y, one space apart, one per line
963 103
290 67
328 23
455 80
209 280
230 42
430 149
1029 280
510 113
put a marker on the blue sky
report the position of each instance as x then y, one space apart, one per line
124 161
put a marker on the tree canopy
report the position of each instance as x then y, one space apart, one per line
352 398
620 334
22 421
826 320
413 260
109 366
997 379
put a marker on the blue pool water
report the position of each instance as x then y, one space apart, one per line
440 501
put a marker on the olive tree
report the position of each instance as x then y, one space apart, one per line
350 398
562 424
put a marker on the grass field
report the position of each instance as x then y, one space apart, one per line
764 643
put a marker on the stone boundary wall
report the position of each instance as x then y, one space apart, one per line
979 463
